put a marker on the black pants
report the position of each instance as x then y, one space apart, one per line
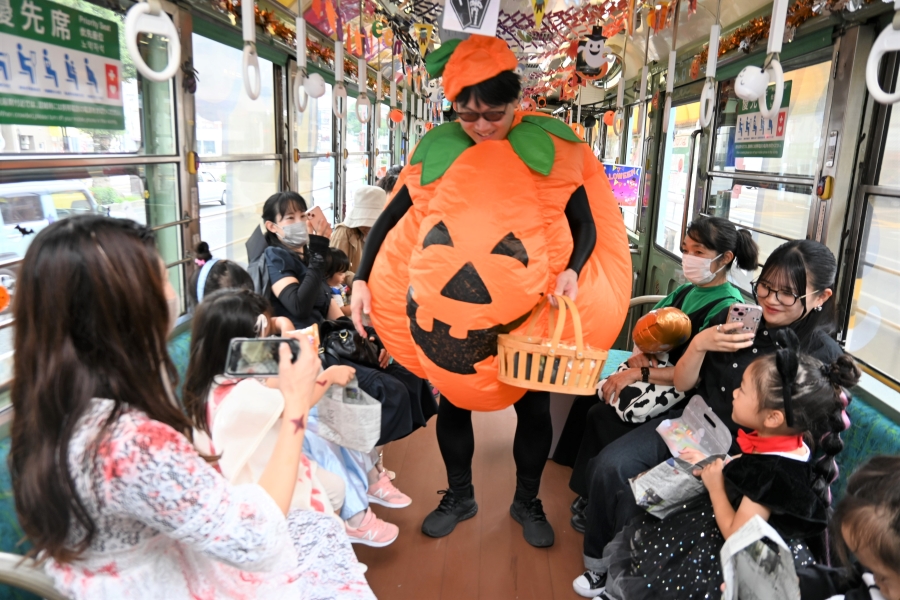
534 435
602 426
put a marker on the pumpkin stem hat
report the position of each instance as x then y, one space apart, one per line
464 63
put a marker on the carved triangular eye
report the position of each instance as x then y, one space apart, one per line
513 247
438 236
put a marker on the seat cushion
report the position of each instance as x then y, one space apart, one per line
11 533
870 433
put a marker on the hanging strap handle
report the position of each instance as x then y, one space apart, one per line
149 17
888 41
252 83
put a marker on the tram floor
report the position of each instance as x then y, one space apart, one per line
485 557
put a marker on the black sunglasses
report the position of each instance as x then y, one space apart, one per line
491 115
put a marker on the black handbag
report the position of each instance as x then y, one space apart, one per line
341 340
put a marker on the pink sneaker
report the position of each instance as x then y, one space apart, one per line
372 531
384 492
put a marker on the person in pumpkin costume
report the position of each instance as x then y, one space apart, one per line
493 212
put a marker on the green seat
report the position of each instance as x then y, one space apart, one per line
179 347
871 433
11 534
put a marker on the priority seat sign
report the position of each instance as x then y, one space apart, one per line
59 66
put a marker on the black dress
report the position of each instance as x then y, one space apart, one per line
677 558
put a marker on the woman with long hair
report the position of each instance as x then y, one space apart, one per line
107 487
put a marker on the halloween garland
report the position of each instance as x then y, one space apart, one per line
748 36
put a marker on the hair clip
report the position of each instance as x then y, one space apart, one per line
261 324
199 262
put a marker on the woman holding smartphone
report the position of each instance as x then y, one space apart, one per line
794 290
108 488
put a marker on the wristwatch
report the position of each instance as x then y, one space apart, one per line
645 374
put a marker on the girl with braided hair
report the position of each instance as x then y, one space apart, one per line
793 406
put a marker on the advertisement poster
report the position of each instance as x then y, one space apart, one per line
758 136
58 66
625 182
472 16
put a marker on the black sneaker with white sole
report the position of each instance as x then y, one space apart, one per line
452 509
589 584
530 515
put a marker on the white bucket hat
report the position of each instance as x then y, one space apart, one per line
368 202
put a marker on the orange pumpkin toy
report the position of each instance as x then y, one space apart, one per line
662 330
485 239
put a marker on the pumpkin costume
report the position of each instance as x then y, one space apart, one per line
486 238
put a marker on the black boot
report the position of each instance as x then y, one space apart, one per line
454 507
530 515
579 522
578 505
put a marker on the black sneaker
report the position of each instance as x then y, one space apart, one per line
578 505
530 515
579 522
452 509
590 584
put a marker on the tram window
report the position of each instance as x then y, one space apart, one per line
635 143
683 121
777 208
873 333
611 149
231 206
228 121
889 174
313 135
383 143
357 163
44 139
799 152
23 208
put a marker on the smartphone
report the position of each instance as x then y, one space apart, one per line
318 221
257 357
748 314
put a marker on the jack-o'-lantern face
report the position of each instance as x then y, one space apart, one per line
471 294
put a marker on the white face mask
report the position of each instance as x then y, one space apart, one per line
697 269
295 235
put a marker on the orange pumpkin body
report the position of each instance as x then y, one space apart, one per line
662 330
474 255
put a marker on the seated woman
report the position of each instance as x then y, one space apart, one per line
107 487
296 261
711 247
793 406
349 236
795 290
238 419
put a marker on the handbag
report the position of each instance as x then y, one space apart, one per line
341 340
349 417
641 401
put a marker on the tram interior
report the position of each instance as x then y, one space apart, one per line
194 157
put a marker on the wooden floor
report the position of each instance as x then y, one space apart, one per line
486 557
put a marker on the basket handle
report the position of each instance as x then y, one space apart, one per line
564 304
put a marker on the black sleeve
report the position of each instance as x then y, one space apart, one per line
584 231
300 298
389 217
818 582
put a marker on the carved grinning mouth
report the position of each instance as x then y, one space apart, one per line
452 354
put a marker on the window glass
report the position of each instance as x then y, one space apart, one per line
777 208
233 205
635 149
312 127
147 106
611 149
683 121
383 144
802 130
873 334
316 184
228 121
889 174
357 164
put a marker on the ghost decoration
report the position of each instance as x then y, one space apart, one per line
662 330
433 90
592 53
314 85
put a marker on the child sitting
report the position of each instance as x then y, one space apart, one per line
789 402
337 264
239 416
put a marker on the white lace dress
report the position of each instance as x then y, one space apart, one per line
169 526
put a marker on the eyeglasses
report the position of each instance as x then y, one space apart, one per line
762 290
492 115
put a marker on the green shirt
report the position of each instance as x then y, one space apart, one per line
699 297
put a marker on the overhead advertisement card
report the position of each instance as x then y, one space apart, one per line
759 136
59 66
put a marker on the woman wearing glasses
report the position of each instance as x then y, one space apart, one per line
794 290
525 186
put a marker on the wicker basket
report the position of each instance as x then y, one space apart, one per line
527 363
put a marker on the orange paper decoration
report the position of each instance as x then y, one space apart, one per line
396 115
609 118
4 298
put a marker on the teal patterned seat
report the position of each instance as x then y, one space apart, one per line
179 347
870 433
11 534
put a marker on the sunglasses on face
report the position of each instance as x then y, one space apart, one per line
491 115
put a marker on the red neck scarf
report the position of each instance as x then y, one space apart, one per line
752 443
